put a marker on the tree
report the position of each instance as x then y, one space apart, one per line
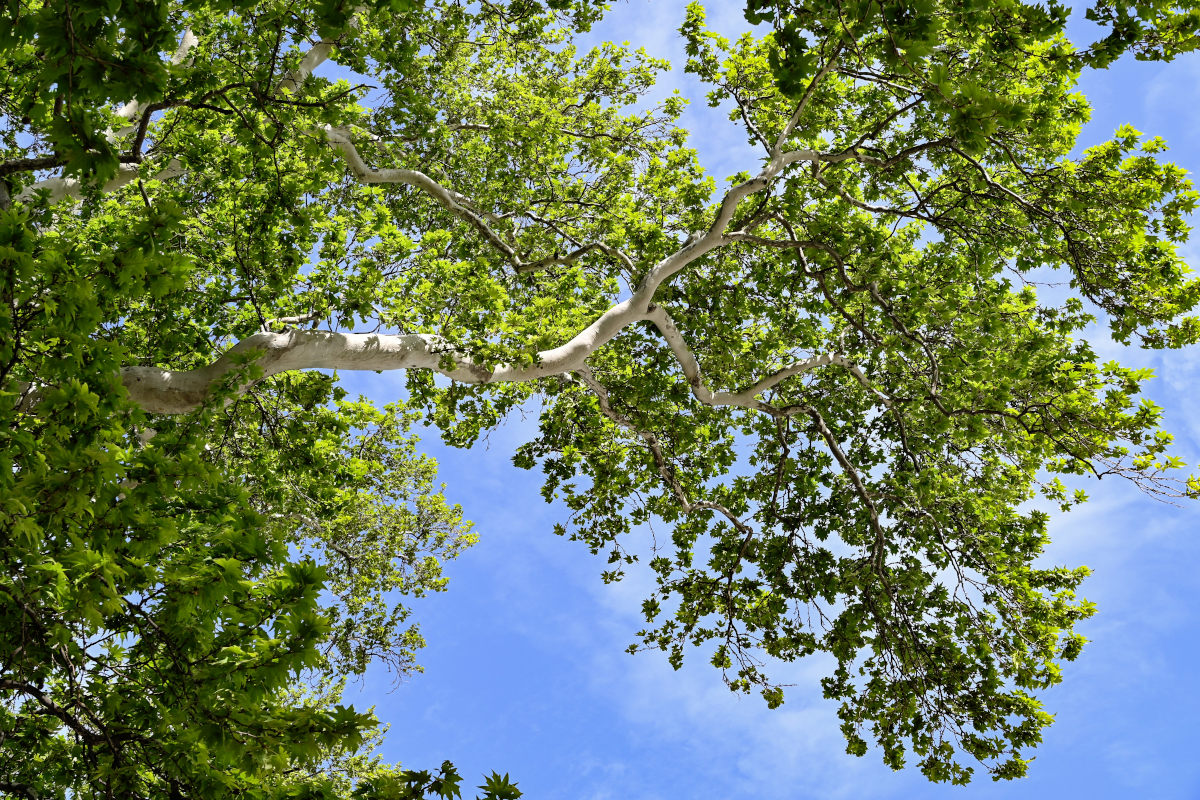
834 379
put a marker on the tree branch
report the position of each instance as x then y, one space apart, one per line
457 204
53 709
808 93
62 188
746 398
878 549
133 108
165 391
317 55
19 788
655 447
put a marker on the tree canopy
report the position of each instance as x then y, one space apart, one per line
836 377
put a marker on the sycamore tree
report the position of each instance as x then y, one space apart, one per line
833 376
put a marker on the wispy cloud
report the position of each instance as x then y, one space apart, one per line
1172 97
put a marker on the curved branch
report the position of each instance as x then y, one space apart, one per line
698 245
317 55
165 391
133 108
748 397
457 204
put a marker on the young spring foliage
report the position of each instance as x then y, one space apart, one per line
833 378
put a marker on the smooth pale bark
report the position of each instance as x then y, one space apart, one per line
164 391
60 189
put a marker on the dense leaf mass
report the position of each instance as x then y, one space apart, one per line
839 379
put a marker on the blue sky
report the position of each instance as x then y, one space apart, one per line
525 669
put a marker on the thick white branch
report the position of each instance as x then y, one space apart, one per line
314 58
173 392
61 188
163 391
317 55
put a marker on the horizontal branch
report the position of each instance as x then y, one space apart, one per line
19 788
51 708
62 188
31 164
164 391
36 163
